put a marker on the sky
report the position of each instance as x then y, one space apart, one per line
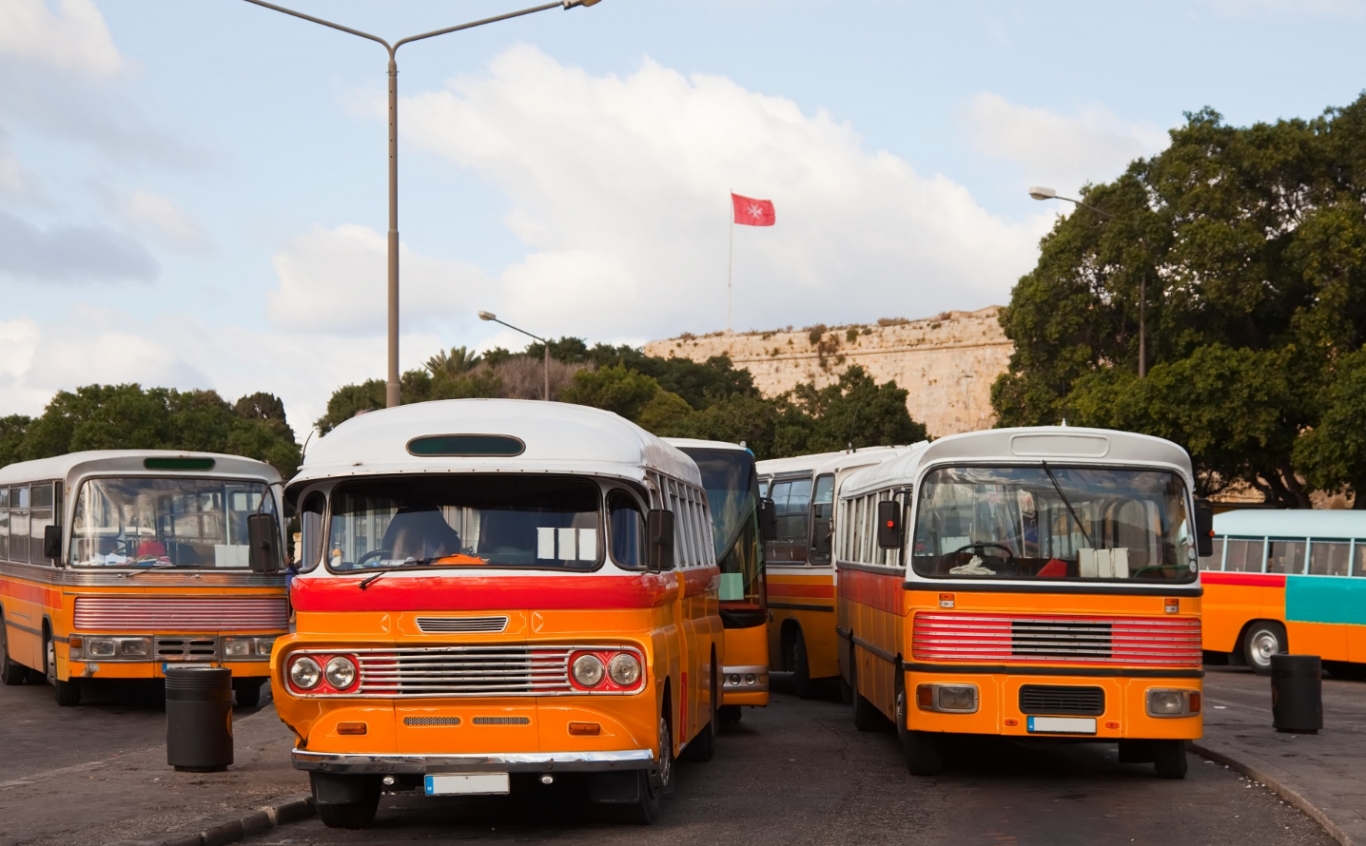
194 195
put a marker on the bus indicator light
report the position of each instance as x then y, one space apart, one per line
1011 722
585 729
1113 725
946 600
1171 605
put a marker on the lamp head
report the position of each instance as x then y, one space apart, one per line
1039 192
569 4
487 315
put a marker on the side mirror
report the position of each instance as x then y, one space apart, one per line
659 531
1204 528
263 544
768 519
52 542
889 524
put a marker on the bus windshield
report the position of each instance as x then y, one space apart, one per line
147 522
1053 523
466 520
731 483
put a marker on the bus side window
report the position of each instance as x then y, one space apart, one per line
40 517
1328 558
627 526
794 520
822 513
776 549
4 524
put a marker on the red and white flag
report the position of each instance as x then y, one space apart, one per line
751 212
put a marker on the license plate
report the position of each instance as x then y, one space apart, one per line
1063 725
472 784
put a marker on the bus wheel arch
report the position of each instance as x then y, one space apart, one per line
1259 640
796 660
68 693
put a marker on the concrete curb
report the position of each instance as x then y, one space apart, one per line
1280 788
284 810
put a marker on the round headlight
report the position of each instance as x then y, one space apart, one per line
305 673
588 670
624 669
341 672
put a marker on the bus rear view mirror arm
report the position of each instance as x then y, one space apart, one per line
263 544
659 530
768 519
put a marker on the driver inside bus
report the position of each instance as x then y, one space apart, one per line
421 534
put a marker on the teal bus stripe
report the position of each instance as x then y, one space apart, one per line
1325 599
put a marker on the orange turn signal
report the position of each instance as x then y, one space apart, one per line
352 728
1194 699
585 729
1011 721
1112 725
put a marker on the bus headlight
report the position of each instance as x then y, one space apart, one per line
134 647
624 669
947 698
100 647
341 672
237 647
304 673
588 670
1168 702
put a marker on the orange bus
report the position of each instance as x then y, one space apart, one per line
117 564
1282 578
1053 592
499 595
738 525
798 568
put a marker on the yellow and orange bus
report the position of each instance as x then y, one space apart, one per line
798 568
738 520
1052 591
498 595
118 564
1282 578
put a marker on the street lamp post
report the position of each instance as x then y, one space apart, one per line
391 389
1041 193
490 316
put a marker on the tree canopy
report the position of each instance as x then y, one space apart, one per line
1245 249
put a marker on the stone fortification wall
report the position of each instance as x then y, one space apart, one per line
948 362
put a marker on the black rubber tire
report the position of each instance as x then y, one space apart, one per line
924 753
647 809
801 668
1169 758
67 693
358 814
731 714
702 747
11 672
866 717
248 692
1263 639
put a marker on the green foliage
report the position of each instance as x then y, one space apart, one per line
616 389
459 360
856 411
1246 248
1333 454
129 417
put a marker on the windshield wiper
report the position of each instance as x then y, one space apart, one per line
1067 502
407 562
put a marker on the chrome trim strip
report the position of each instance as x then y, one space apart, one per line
759 671
133 578
538 762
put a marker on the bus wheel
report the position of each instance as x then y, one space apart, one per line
345 801
11 673
731 714
703 747
248 691
866 717
924 753
801 668
68 692
653 786
1264 638
1169 758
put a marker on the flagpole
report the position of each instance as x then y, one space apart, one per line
730 262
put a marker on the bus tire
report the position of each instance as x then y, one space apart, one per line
653 785
924 753
801 667
1169 758
68 693
731 714
248 692
345 801
1263 639
702 748
11 672
866 717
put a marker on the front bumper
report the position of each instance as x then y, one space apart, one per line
530 762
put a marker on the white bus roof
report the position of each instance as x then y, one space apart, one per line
129 462
558 437
1063 444
1296 523
698 443
827 462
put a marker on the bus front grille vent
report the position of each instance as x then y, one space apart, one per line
502 721
462 625
431 721
187 648
1060 639
1062 699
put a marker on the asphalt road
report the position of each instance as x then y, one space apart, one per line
798 773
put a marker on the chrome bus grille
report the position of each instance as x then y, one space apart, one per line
454 671
1040 639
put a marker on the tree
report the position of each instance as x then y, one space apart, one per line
12 430
855 411
617 389
459 360
1333 454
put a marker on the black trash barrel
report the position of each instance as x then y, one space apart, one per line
1297 693
199 719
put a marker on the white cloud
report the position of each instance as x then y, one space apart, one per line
336 280
17 182
72 37
1061 151
162 218
618 187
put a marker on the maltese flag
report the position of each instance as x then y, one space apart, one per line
751 212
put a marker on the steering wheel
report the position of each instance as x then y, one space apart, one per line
980 550
374 553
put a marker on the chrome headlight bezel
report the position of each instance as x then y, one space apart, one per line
624 669
304 672
588 670
341 672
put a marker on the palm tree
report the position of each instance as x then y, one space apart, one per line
458 360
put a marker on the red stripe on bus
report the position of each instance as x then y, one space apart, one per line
700 581
1276 580
479 593
30 593
816 591
883 592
